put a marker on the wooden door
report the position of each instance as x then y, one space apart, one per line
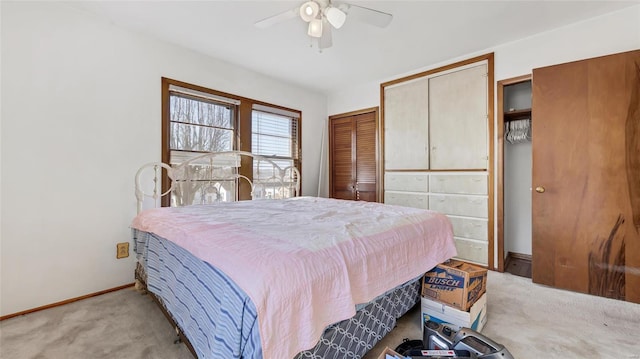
586 176
341 161
353 156
366 166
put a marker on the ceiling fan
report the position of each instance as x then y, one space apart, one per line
322 15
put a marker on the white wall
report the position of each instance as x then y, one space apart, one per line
607 34
80 113
517 198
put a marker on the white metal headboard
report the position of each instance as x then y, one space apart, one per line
214 177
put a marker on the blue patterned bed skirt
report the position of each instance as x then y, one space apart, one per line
220 320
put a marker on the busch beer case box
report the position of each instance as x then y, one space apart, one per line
439 312
456 283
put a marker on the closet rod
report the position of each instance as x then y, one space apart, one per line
517 114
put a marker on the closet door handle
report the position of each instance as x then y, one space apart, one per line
540 189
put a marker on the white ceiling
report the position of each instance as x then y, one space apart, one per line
421 33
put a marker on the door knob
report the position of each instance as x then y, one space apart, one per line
540 189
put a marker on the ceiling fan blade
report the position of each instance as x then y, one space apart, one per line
366 15
325 41
278 18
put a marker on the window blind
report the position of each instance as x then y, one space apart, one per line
173 89
274 135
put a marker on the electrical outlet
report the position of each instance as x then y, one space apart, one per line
122 250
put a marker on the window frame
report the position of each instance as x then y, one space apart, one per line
242 132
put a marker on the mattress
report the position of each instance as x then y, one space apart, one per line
333 256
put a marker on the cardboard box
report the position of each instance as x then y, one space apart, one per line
388 351
456 283
439 312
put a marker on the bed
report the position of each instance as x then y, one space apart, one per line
281 275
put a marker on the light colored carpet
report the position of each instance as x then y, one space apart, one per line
532 321
117 325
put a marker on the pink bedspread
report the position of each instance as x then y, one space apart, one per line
306 262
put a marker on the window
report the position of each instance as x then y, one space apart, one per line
199 125
201 122
274 135
198 120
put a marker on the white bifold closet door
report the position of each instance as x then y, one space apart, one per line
458 119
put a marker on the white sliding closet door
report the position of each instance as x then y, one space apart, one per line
406 125
458 119
436 149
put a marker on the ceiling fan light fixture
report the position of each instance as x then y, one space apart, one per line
315 28
309 11
335 16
